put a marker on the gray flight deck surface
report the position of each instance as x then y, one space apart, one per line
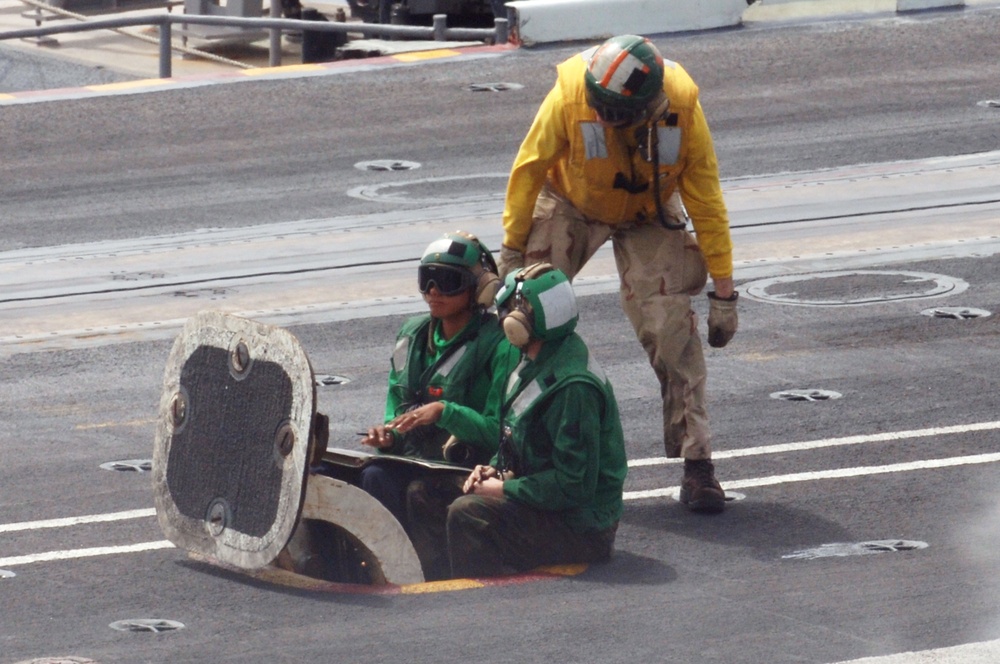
863 147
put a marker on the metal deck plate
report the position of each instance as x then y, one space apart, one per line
233 439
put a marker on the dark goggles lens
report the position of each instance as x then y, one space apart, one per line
447 279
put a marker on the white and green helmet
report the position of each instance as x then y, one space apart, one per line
546 295
457 262
624 74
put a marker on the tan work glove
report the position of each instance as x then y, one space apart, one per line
722 319
510 260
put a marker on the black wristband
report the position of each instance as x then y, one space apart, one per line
731 298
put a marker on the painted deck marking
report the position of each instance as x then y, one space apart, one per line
859 471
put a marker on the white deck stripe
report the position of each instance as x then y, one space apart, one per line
984 652
832 442
830 474
76 520
83 553
628 495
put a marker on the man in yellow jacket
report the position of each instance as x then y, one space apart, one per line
618 115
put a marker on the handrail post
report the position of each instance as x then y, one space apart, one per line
440 27
165 51
274 44
502 27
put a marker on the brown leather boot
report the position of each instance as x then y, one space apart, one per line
700 491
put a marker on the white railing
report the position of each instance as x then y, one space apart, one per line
437 32
543 21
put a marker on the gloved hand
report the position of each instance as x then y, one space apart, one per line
722 319
510 260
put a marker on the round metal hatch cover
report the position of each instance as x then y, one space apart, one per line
473 188
852 288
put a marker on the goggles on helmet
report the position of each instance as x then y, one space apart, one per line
447 279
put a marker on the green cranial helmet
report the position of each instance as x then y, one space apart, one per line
624 74
456 263
460 249
541 298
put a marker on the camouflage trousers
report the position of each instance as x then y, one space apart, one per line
497 536
659 270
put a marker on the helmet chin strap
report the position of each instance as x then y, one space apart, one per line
657 109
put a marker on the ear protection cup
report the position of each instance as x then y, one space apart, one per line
519 324
486 288
518 328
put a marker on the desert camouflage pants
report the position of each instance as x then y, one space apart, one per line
659 271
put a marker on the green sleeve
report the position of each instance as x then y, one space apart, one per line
395 402
568 479
481 428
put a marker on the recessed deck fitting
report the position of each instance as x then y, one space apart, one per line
806 395
146 625
387 165
853 288
328 380
840 549
956 313
493 87
129 465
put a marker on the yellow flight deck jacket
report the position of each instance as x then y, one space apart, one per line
582 161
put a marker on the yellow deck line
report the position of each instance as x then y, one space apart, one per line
260 71
128 85
426 55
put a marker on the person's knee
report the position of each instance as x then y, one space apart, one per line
467 512
416 489
372 479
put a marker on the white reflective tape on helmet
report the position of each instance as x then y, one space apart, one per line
439 246
559 305
614 69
